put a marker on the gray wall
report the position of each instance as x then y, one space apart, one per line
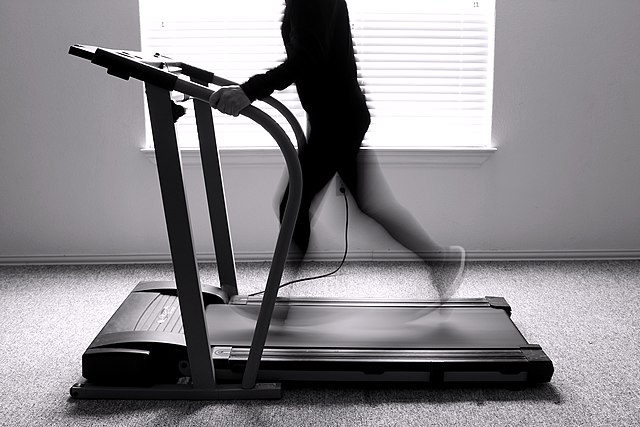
565 181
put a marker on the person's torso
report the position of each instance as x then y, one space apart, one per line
334 83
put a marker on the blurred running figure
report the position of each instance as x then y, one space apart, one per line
320 61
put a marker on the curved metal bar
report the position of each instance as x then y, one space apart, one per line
282 244
286 229
301 139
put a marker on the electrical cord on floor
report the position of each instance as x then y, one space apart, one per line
344 257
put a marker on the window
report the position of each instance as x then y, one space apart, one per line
426 65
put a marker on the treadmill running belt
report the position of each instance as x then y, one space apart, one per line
366 327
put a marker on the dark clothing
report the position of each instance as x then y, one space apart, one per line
332 148
320 59
321 62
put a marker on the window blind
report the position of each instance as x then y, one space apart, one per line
426 66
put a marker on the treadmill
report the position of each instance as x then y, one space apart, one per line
185 340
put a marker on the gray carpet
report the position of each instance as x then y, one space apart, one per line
584 314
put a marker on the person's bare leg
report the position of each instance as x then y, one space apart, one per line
375 199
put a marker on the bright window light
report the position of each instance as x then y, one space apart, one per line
426 66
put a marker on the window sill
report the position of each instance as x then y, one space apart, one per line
445 157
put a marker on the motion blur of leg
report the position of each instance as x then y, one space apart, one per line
334 147
374 197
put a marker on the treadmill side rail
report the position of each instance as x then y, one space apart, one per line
541 366
435 367
493 302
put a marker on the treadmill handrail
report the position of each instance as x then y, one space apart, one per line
199 73
126 64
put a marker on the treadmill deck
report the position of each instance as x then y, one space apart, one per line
362 327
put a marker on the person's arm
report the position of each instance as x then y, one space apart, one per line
308 47
310 22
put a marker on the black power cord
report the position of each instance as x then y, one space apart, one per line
344 257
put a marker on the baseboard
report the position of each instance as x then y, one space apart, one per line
380 256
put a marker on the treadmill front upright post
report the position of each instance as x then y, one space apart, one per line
176 211
214 187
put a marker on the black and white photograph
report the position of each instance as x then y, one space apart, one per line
320 213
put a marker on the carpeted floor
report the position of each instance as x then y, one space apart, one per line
585 315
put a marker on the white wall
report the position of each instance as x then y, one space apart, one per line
564 181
